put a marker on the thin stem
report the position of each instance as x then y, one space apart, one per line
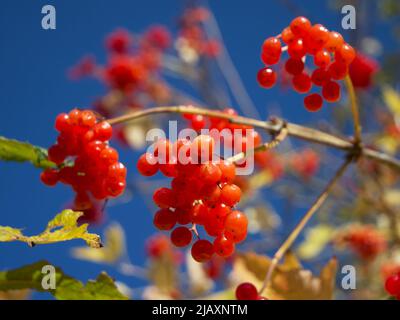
293 130
300 226
354 109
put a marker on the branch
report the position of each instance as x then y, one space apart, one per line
354 109
300 226
293 130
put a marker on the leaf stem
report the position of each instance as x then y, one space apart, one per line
302 223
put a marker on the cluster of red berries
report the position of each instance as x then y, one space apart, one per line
247 291
392 285
191 32
305 163
201 193
331 54
366 241
92 168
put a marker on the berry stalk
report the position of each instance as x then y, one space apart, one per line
354 109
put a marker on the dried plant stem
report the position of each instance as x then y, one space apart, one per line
293 130
300 226
354 109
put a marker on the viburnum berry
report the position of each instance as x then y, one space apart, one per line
147 165
223 246
181 236
300 26
164 219
313 102
202 250
49 177
294 66
271 48
319 77
322 58
246 291
392 284
230 194
334 42
236 226
266 77
337 70
296 49
331 91
302 83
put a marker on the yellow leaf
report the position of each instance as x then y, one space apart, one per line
289 280
112 251
316 239
63 227
199 281
392 100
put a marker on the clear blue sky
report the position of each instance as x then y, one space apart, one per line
34 88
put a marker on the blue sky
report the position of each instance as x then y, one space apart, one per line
34 89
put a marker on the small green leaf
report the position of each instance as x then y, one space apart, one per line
63 227
14 150
66 287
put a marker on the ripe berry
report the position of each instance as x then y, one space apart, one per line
319 35
331 91
266 78
223 246
62 122
236 226
202 148
334 42
181 236
322 58
392 284
296 49
164 198
287 35
49 177
302 83
202 250
272 47
337 70
198 122
320 76
102 131
345 54
246 291
230 194
147 165
313 102
228 171
300 26
164 219
294 66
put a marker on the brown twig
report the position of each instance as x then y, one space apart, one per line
300 226
293 130
354 109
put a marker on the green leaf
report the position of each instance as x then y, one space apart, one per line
14 150
63 227
66 287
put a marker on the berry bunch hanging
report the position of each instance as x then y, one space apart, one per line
85 160
331 56
202 193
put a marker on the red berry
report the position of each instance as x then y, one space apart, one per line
164 198
334 42
102 131
228 171
236 226
322 58
202 250
49 177
302 83
246 291
294 66
313 102
300 26
337 70
287 36
319 35
269 60
392 284
266 78
272 47
223 246
147 165
181 236
202 148
345 54
164 219
198 122
62 122
209 173
331 91
296 49
230 194
320 76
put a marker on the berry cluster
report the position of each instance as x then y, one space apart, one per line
95 170
305 163
392 285
201 193
331 56
247 291
366 241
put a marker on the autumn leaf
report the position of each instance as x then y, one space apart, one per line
392 100
289 280
66 287
113 248
14 150
63 227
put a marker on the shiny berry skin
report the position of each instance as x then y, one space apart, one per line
147 165
202 250
313 102
334 42
236 226
294 66
181 237
322 58
337 70
287 35
198 122
49 177
296 49
62 122
164 198
56 154
223 246
202 148
162 150
345 54
102 131
164 219
266 78
230 194
319 35
209 173
300 26
272 47
228 171
331 91
246 291
392 284
268 59
320 76
302 83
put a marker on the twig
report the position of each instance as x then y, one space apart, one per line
354 109
293 130
300 226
